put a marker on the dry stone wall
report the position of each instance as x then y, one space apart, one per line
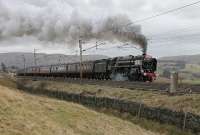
180 119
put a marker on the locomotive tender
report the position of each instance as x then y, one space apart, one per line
132 68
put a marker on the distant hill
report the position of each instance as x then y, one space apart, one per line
189 59
187 65
16 59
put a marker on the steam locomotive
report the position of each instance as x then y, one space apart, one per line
132 68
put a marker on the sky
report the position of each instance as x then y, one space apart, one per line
50 25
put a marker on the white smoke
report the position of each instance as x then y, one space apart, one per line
62 21
118 77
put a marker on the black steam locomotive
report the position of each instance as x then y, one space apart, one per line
132 68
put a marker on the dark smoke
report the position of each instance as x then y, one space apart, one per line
50 24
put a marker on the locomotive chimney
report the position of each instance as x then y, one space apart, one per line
144 49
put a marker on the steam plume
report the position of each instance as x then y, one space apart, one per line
54 21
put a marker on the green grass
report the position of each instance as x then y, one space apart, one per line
193 68
191 81
187 74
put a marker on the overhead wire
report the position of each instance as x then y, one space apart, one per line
122 47
175 32
164 13
157 15
152 17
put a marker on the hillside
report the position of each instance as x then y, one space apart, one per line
23 114
188 67
16 59
189 59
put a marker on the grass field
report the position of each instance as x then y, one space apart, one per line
186 75
193 68
188 102
24 114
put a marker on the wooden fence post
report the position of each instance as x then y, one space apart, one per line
61 95
184 121
95 101
79 98
139 110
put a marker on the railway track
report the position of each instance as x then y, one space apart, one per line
162 87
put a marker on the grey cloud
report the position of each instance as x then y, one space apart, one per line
58 20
